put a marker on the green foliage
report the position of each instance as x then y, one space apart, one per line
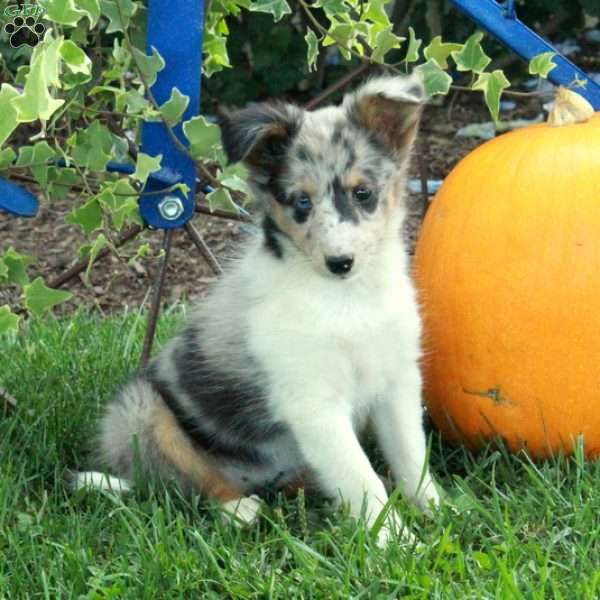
471 56
439 51
436 80
38 298
542 64
8 320
65 105
492 85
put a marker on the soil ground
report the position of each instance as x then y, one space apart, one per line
116 283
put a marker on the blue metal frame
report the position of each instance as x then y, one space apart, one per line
500 19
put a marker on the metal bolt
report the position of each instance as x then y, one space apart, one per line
170 208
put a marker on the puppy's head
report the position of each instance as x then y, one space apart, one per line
330 181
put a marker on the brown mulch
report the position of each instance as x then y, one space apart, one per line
116 282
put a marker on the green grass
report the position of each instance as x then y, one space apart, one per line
509 529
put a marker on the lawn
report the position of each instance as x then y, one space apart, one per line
510 528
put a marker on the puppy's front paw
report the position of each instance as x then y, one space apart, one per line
242 511
395 529
428 499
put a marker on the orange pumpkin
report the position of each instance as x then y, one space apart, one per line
508 271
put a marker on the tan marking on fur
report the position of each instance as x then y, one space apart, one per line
178 450
284 221
308 185
354 178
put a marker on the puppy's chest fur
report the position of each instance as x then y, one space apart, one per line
323 347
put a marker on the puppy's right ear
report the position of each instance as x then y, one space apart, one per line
260 134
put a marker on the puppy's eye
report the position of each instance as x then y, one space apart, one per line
362 193
302 207
303 203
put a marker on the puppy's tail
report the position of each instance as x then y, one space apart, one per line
78 480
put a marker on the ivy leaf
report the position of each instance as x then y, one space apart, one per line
440 51
16 266
384 41
126 9
471 56
49 51
235 177
149 65
121 203
128 211
9 119
36 157
412 53
172 110
36 101
436 80
332 8
75 58
492 85
145 165
136 103
277 8
375 11
204 137
215 49
61 11
91 9
312 44
92 147
8 320
38 298
542 64
7 157
38 154
61 181
341 34
221 198
88 217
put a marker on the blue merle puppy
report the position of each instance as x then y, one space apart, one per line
314 332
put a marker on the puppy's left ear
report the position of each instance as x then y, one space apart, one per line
390 109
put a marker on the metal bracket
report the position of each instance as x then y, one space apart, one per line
501 21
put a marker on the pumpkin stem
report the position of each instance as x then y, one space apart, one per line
569 107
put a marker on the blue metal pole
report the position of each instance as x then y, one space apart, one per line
176 30
502 22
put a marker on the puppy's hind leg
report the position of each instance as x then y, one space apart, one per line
197 471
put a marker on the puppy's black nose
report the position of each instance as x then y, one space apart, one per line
339 265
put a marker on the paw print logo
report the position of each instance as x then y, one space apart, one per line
24 31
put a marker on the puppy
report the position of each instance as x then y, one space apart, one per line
314 332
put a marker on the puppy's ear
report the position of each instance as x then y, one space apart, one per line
260 134
390 109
